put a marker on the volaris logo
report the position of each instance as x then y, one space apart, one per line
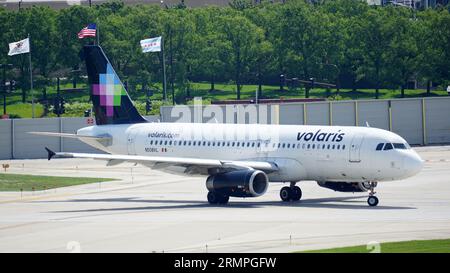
321 136
110 90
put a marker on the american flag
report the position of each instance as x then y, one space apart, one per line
88 31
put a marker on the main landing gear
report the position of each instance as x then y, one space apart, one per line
292 192
372 200
215 197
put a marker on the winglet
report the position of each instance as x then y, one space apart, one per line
50 153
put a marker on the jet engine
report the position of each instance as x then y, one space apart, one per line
346 186
242 183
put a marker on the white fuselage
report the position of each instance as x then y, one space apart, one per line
302 152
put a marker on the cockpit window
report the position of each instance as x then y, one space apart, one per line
380 146
388 146
400 146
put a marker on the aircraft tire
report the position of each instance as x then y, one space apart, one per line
286 194
223 199
372 201
213 197
296 193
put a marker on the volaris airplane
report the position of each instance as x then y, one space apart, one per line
340 158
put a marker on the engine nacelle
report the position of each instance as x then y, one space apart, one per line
345 186
242 183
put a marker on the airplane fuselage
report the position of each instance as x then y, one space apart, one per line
302 152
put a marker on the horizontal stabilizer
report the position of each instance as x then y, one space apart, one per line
66 135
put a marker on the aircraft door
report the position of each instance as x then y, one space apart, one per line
355 148
262 148
131 143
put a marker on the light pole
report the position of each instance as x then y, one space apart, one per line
4 66
337 75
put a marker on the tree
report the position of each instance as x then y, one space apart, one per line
402 61
377 32
434 57
306 31
242 36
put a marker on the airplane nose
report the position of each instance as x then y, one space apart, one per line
412 164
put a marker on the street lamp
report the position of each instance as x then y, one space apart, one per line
4 66
337 75
75 72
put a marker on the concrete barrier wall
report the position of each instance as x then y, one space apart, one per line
17 143
420 121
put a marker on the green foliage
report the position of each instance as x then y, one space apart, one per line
418 246
74 109
337 41
21 182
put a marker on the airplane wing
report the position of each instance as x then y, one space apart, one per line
191 164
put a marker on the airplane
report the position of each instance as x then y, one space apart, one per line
340 158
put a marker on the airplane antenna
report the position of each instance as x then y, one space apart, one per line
367 124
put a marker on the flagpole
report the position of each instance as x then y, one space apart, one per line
164 70
98 33
31 78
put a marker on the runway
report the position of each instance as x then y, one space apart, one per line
150 211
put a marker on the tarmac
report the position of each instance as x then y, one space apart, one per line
150 211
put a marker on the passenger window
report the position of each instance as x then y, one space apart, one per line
314 146
388 146
309 145
284 145
338 147
333 147
343 147
380 146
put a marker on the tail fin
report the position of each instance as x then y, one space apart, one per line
112 105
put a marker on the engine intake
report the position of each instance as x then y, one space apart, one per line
346 186
242 183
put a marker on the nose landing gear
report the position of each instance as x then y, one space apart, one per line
372 200
293 193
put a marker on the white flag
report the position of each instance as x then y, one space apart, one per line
19 47
151 45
